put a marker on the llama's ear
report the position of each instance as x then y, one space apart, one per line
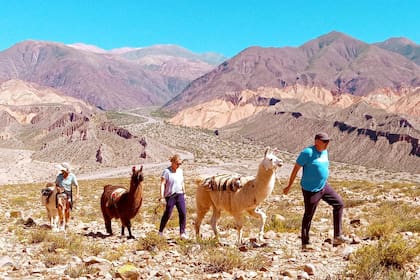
141 168
134 169
266 152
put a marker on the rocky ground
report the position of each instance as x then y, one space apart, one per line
29 249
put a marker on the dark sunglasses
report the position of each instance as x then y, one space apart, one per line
325 141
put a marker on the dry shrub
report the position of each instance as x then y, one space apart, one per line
38 235
115 253
152 243
391 217
226 260
291 224
77 271
384 258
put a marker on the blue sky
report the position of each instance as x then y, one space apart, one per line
223 26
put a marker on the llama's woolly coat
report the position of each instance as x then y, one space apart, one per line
123 205
48 199
244 199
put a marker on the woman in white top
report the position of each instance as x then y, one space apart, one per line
172 190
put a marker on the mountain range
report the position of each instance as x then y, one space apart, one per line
123 78
335 63
367 96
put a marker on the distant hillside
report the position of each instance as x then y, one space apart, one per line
360 135
104 79
402 46
59 128
172 51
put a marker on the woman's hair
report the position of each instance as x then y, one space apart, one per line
175 158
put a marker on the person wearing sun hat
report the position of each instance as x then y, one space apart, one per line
66 180
314 183
172 193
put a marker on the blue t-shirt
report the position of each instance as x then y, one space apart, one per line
315 169
66 183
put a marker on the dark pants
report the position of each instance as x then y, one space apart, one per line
177 200
311 200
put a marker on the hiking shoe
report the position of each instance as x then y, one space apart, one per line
338 240
183 236
308 247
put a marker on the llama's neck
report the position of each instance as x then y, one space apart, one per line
134 190
265 180
135 194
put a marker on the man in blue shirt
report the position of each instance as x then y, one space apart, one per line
314 160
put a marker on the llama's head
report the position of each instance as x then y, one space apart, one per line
137 176
270 161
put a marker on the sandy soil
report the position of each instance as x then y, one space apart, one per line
16 166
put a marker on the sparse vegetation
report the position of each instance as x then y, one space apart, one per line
392 216
384 260
387 210
152 243
387 257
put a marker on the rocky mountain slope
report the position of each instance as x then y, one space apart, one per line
104 79
53 128
361 135
264 92
334 62
402 46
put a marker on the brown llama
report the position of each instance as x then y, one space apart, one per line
237 195
48 197
117 202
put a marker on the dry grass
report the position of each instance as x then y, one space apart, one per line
385 220
384 260
388 209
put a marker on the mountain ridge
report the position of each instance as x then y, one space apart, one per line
109 80
335 61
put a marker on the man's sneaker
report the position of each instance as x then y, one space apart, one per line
338 240
308 247
183 236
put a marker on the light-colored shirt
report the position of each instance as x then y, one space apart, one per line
66 183
174 181
315 169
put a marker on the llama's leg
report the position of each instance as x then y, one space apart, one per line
67 214
49 217
55 221
60 217
259 214
108 226
127 224
130 236
239 224
214 218
203 204
200 215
